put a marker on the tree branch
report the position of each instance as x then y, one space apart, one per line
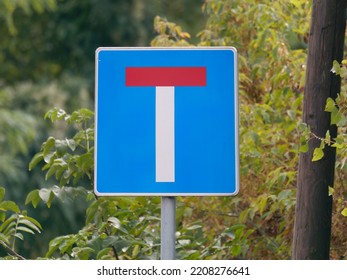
11 252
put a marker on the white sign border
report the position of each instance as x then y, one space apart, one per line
236 109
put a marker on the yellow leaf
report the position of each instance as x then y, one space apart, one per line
185 35
317 154
331 191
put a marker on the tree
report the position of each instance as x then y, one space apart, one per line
8 8
43 45
62 38
312 231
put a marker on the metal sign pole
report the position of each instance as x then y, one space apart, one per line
168 228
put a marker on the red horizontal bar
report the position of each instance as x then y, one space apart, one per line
165 76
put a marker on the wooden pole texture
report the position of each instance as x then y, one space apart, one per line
312 230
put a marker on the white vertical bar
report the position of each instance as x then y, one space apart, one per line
165 134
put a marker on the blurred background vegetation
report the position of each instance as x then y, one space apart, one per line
47 52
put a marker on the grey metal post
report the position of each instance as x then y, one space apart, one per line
168 228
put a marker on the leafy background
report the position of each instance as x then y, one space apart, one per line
47 206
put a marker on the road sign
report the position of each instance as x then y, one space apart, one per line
166 121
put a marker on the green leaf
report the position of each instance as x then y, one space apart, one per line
29 224
90 196
339 142
343 72
9 206
33 197
35 160
194 227
82 253
331 191
336 69
67 244
35 222
104 254
135 251
55 114
71 144
343 121
47 147
335 116
51 171
302 127
237 227
236 250
2 193
10 222
4 238
9 229
61 114
117 224
85 161
82 115
262 205
92 211
25 229
47 196
303 145
318 153
54 244
61 146
296 3
303 148
19 235
344 212
330 105
38 7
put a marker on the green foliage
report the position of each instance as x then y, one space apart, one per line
170 34
338 117
68 160
22 131
14 226
22 128
27 54
8 7
62 39
271 41
116 228
17 129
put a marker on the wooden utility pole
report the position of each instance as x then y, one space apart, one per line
312 230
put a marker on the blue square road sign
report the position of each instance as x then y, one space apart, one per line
166 122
